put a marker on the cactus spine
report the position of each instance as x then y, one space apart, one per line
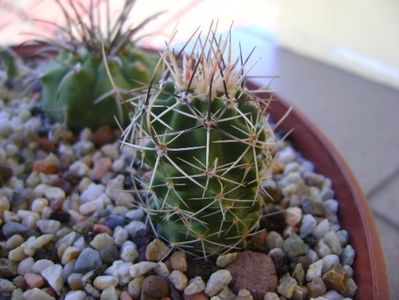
77 88
208 142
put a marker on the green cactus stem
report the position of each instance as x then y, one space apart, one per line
208 143
77 88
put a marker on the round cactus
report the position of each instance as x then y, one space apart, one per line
77 88
209 145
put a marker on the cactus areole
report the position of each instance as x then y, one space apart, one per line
209 145
77 88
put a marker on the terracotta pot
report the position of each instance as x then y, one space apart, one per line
354 213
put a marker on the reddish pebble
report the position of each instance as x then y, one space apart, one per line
101 228
49 291
125 296
56 204
102 136
102 166
258 241
46 144
88 160
199 296
43 166
33 280
166 298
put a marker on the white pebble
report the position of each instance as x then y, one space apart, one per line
129 251
178 279
217 282
329 261
109 294
293 215
101 241
79 169
25 266
134 286
38 204
135 214
53 275
103 282
37 294
133 227
120 235
162 269
92 192
75 295
314 270
321 229
48 226
141 268
40 265
195 285
92 206
225 259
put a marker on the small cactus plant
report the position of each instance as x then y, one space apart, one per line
77 88
209 145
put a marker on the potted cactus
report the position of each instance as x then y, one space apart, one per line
77 88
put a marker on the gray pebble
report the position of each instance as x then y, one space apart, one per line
89 259
308 225
294 246
348 255
333 241
322 249
11 228
329 261
343 237
109 254
274 240
321 229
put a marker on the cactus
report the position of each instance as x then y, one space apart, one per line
209 145
77 88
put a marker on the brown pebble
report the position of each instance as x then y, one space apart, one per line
45 144
273 195
101 228
49 291
88 160
316 288
258 241
56 204
178 261
155 286
5 173
44 166
336 279
101 167
125 296
34 280
277 168
253 271
102 136
166 298
198 296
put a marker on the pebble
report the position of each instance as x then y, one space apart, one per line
141 268
44 166
294 246
75 281
162 269
79 169
336 279
195 285
134 227
70 254
25 265
11 228
40 265
129 251
109 294
271 296
178 279
134 286
75 295
322 249
287 286
308 225
348 255
48 226
120 235
329 261
14 241
101 241
4 203
156 250
103 135
330 206
274 240
332 295
91 207
109 254
333 242
89 259
217 282
244 294
113 221
299 274
53 275
105 281
116 193
101 167
34 280
6 286
155 286
135 214
92 192
314 270
316 287
178 261
225 259
321 229
293 216
37 294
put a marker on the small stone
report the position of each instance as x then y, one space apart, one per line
134 227
100 228
351 287
116 193
5 173
44 166
75 281
103 135
162 269
156 250
135 214
89 259
217 282
11 228
253 271
155 286
141 268
113 221
316 287
134 286
294 246
101 241
34 280
17 254
178 261
321 229
105 281
91 207
225 259
92 291
314 270
25 266
70 254
333 295
336 279
120 235
13 242
4 203
178 279
92 192
40 265
329 261
7 268
75 295
274 240
300 293
125 296
293 216
101 167
48 226
53 275
287 286
244 294
109 254
37 294
79 169
333 242
348 255
322 249
109 294
6 286
195 285
286 155
308 225
199 296
299 273
271 296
